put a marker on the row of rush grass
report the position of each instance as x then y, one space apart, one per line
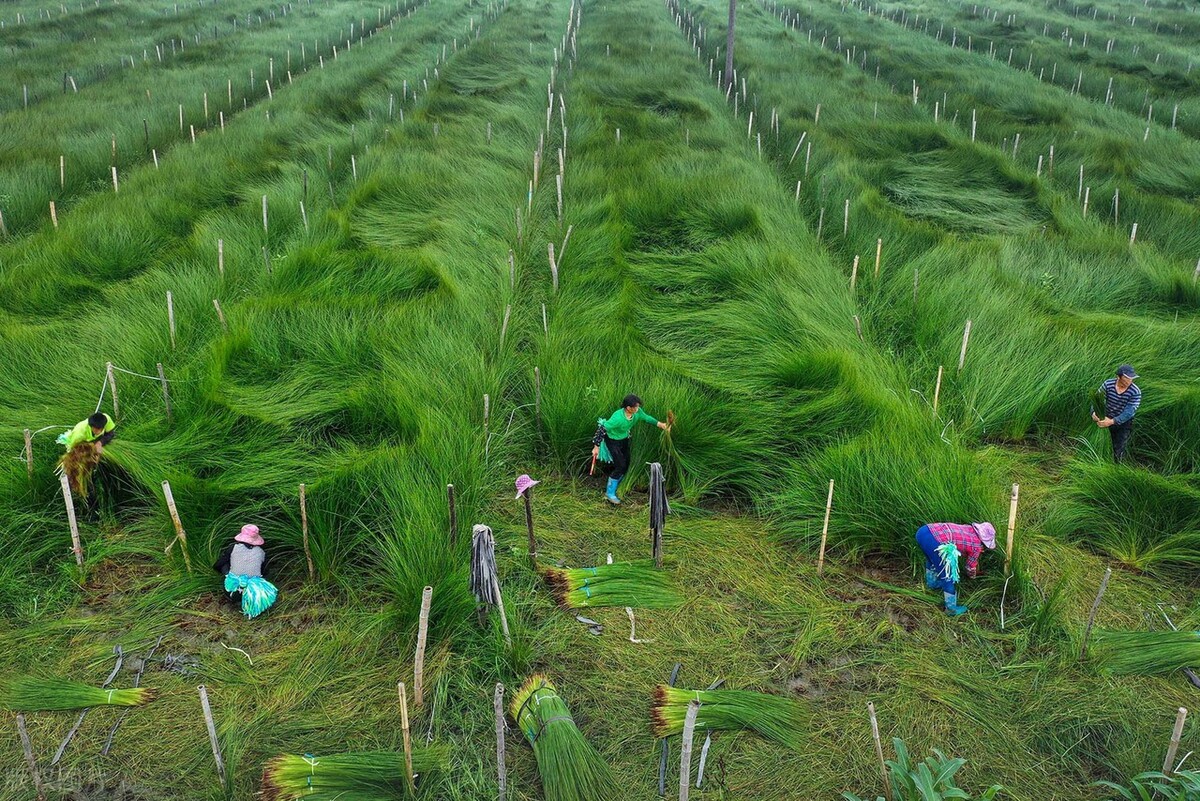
63 150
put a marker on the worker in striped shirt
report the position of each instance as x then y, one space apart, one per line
943 544
1121 400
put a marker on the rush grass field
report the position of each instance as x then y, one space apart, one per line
376 250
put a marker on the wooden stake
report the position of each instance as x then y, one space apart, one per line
419 659
171 317
1087 632
858 327
408 768
304 532
62 172
53 214
116 186
453 514
220 314
29 759
854 274
553 265
937 389
1012 527
70 504
825 530
212 733
500 607
264 204
498 708
1176 735
221 257
962 354
112 386
878 255
685 758
883 774
29 453
180 534
528 495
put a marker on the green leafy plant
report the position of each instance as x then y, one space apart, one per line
929 780
1182 786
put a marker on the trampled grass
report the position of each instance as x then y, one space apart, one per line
380 342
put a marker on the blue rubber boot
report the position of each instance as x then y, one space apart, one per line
931 579
952 607
611 493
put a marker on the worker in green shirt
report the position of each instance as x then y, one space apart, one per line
611 441
97 429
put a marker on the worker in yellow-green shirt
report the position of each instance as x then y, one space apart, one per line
97 429
611 441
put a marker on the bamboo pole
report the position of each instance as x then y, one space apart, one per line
76 547
878 255
453 514
221 257
1087 632
685 758
1012 527
304 532
220 314
419 659
1176 735
29 758
408 768
962 354
162 378
112 386
854 274
53 214
29 453
883 773
500 607
171 317
528 494
937 389
180 534
498 708
212 733
825 530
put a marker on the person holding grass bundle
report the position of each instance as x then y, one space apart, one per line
96 430
243 562
84 443
943 544
611 441
1121 398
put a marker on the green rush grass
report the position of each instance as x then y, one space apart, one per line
636 584
782 720
570 768
29 694
364 776
1147 653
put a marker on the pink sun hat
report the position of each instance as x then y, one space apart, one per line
987 533
524 482
249 535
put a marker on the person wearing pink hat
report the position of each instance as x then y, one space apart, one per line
943 544
243 562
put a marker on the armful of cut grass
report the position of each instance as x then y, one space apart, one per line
780 719
354 776
30 694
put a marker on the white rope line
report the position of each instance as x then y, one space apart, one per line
103 389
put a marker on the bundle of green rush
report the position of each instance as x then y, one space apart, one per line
29 694
571 769
360 776
1147 653
637 584
780 719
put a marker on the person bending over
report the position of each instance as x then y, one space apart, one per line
943 544
243 562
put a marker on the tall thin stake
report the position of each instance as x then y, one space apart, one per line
685 758
1176 735
962 354
29 453
304 532
528 494
878 255
1087 632
453 514
212 733
419 659
825 530
180 533
162 378
408 768
498 708
112 387
70 504
1012 528
937 389
171 317
883 774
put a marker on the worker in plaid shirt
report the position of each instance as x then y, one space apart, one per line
943 544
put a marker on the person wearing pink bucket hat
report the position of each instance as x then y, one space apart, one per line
243 562
943 544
